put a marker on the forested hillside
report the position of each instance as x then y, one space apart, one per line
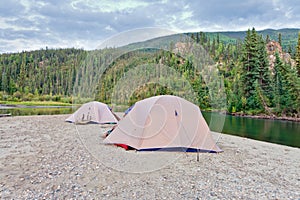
286 37
259 77
39 75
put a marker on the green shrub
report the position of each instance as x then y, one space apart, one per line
28 97
48 97
5 97
56 98
1 95
41 98
66 100
36 98
17 95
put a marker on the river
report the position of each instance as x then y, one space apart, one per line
275 131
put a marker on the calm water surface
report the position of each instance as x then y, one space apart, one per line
275 131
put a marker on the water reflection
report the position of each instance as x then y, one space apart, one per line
276 131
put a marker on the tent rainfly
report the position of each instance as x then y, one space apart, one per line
164 122
95 112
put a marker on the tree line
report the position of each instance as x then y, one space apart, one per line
251 84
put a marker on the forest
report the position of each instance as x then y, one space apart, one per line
255 74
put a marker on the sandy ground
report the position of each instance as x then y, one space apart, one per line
43 157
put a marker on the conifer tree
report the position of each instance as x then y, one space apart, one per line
282 94
197 38
193 37
290 51
268 39
293 88
265 81
298 55
250 71
280 39
278 82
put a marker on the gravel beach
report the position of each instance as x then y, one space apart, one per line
43 157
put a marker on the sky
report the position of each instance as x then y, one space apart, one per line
34 24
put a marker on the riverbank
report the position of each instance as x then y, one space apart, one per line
54 104
264 116
13 104
45 157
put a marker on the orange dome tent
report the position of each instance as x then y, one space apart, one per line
164 122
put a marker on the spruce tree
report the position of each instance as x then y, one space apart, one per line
268 39
293 88
282 93
280 39
298 55
250 71
278 82
265 81
290 51
197 38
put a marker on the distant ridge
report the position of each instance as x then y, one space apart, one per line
271 32
289 36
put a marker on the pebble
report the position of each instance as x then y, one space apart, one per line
63 168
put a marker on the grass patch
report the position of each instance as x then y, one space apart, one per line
36 103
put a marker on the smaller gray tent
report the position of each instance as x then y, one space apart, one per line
95 112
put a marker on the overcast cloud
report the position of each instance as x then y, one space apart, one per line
35 24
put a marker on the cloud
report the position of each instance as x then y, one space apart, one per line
238 15
107 6
10 8
31 24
